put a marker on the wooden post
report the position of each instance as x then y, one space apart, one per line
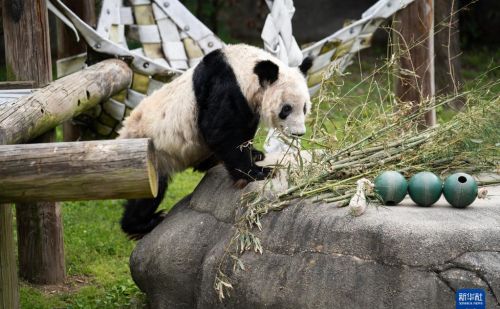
448 66
94 170
9 287
414 41
27 53
68 46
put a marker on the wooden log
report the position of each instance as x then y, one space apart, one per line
30 116
94 170
9 287
414 41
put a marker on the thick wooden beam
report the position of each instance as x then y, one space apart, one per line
9 287
31 116
414 41
94 170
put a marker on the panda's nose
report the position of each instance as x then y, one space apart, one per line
298 133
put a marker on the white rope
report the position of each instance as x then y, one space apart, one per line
277 32
279 40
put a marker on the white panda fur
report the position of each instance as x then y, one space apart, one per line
170 117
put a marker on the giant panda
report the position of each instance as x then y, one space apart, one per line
210 114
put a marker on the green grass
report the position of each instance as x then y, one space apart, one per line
97 251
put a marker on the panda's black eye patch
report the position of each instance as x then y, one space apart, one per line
305 110
285 111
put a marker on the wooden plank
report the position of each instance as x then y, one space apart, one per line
9 286
30 116
414 41
27 84
94 170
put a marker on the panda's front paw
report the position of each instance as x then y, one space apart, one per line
260 172
256 173
257 155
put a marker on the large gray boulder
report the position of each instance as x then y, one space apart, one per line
318 256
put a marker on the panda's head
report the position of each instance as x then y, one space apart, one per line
285 97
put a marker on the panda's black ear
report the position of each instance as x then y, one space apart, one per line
306 65
267 71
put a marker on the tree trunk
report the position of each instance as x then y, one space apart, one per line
94 170
447 45
414 41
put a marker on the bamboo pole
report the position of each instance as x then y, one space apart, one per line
94 170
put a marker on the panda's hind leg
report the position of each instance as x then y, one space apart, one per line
140 216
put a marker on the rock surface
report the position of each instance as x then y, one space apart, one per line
318 256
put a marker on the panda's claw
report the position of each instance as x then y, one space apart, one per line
257 155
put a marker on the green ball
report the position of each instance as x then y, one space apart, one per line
460 190
425 188
391 187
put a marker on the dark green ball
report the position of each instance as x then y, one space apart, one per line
425 188
460 190
391 187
